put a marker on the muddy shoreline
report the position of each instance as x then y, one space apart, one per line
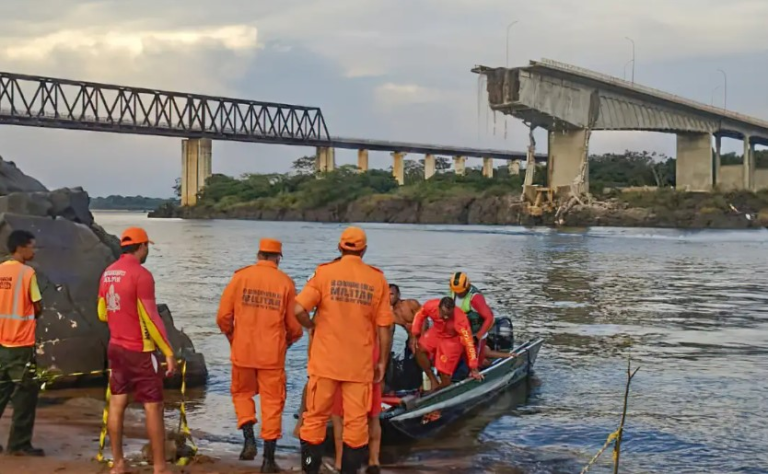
67 427
696 212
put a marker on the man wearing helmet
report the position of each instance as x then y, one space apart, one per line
470 300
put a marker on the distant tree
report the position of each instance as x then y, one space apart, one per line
304 165
177 188
414 171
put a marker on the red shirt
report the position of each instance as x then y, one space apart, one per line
455 327
478 304
127 304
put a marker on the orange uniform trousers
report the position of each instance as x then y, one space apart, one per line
356 402
269 384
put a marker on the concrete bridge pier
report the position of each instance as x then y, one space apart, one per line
362 160
196 158
718 155
749 164
460 165
398 167
514 168
567 151
429 166
488 167
325 159
694 162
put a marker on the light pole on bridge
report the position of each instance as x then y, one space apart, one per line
508 28
725 89
633 57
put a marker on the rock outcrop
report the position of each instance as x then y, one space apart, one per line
72 253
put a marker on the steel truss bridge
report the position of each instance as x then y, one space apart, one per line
37 101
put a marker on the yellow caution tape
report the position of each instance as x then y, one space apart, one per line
103 435
183 426
611 438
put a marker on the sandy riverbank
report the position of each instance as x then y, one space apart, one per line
69 433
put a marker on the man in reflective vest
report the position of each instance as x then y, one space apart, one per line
20 306
470 300
136 331
256 313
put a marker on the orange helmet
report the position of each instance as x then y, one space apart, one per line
459 282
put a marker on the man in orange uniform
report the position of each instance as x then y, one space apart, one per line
256 314
20 306
374 424
127 304
444 342
353 309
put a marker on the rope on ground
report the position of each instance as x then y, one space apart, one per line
615 437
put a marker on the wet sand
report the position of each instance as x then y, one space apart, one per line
69 434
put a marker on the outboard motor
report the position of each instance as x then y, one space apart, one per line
501 337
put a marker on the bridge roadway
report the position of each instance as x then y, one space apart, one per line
571 102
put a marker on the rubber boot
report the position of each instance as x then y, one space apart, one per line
352 459
250 450
311 457
373 470
269 464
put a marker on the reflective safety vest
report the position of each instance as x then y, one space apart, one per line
475 320
17 312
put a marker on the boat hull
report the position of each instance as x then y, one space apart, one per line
428 416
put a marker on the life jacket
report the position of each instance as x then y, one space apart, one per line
17 312
475 320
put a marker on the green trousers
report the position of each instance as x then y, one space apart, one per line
18 364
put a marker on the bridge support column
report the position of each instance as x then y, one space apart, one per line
429 166
718 153
196 154
514 168
488 167
325 159
694 162
567 152
460 165
362 160
749 164
398 167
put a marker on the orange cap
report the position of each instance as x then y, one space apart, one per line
133 236
353 238
271 246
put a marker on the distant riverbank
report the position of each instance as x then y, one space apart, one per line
657 208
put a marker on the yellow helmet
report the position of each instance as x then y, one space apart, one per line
459 282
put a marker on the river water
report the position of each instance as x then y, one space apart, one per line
688 307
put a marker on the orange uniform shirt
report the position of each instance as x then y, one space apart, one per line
352 300
257 314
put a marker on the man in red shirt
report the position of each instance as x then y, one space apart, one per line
443 343
127 304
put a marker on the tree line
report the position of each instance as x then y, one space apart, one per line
301 189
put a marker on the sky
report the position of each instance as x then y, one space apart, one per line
378 69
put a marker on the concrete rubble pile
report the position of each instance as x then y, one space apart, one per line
72 253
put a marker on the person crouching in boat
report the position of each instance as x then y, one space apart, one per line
444 343
472 302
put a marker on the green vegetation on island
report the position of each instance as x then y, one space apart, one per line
345 194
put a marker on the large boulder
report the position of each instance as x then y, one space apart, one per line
73 251
13 180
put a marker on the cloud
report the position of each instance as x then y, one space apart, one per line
394 95
131 43
385 69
